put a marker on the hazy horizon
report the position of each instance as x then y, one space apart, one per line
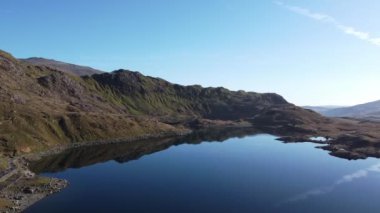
312 53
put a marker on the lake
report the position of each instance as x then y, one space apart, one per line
217 172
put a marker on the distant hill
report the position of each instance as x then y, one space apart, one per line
321 109
62 66
369 111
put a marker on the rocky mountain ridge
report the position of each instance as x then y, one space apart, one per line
42 107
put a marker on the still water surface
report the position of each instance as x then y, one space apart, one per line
250 174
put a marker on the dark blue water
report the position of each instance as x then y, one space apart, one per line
250 174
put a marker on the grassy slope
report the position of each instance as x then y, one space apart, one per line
41 107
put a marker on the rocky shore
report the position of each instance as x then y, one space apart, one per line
20 188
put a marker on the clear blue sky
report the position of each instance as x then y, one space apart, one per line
311 52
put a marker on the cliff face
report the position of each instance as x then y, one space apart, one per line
42 106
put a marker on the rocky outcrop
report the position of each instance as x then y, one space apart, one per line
58 82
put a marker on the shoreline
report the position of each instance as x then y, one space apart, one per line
20 188
29 188
60 148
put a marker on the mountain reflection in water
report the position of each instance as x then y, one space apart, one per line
256 173
124 152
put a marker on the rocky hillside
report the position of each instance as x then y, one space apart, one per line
65 67
140 94
42 106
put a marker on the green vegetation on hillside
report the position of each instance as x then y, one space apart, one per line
42 106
